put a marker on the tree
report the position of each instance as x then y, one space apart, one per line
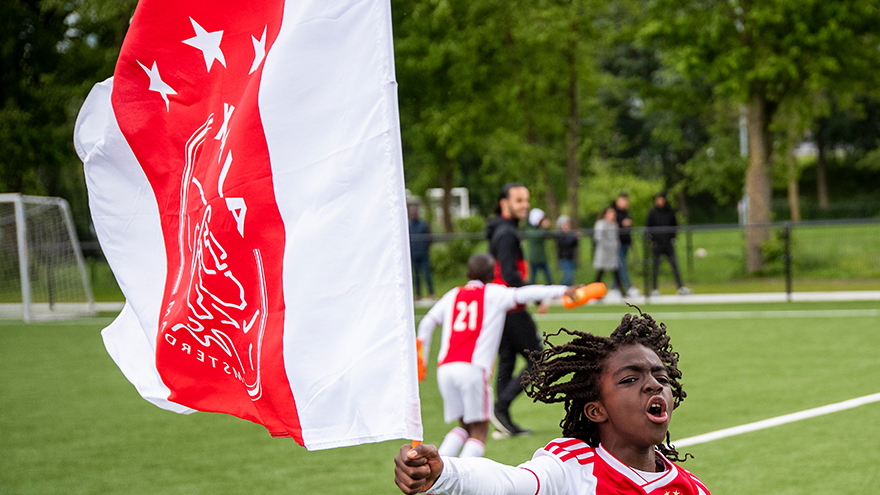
496 90
555 44
853 126
51 54
450 59
763 54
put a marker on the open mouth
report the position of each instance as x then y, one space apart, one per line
657 410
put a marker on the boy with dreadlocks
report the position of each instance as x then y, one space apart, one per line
619 393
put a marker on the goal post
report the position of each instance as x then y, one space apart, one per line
42 270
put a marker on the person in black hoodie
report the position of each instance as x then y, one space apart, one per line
520 335
624 224
661 230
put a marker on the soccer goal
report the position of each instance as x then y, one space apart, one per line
42 271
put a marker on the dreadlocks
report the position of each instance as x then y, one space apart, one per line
570 373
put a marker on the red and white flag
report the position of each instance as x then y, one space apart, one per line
246 184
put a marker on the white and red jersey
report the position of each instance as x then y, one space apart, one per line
472 318
565 466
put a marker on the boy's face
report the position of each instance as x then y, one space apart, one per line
636 400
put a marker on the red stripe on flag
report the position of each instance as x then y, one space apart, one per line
186 98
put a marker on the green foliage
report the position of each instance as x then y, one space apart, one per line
773 251
604 186
772 48
449 259
51 54
870 162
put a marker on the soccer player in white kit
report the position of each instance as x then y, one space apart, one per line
618 392
472 318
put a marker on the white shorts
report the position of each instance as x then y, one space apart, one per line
466 392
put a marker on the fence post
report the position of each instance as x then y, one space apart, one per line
786 236
690 252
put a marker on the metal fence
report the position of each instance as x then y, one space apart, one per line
798 257
804 257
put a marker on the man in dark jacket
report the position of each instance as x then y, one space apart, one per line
661 230
419 248
520 334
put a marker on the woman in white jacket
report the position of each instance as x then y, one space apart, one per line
607 241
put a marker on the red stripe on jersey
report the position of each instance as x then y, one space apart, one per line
523 269
571 449
467 323
487 396
521 266
536 479
699 483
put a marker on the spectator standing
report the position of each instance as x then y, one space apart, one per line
607 242
661 229
566 249
536 231
520 334
624 224
419 249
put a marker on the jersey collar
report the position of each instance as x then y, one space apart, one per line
626 471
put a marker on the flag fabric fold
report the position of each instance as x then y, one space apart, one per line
246 184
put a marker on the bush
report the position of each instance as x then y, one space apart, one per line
449 259
773 250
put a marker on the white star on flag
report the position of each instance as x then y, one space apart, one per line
157 84
259 50
208 43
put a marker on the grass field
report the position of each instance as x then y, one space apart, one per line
70 422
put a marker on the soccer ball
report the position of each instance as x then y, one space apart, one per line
700 253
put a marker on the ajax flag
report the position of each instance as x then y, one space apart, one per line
246 183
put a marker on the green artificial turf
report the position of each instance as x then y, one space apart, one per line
70 422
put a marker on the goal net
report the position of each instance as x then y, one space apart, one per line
42 272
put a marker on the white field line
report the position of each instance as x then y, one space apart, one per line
717 315
777 421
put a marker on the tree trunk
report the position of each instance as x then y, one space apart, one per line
446 178
821 177
550 198
684 210
794 204
573 166
758 181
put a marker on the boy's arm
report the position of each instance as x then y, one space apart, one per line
429 322
421 469
531 293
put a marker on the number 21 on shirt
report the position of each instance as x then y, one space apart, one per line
465 316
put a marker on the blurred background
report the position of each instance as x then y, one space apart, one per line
760 119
